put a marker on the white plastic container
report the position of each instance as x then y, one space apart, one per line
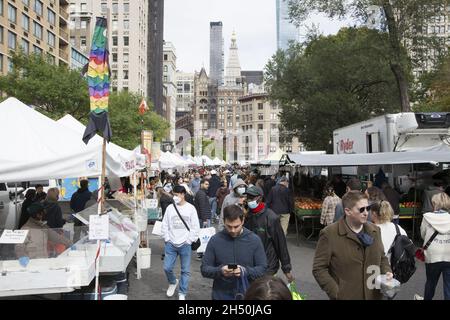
116 297
144 256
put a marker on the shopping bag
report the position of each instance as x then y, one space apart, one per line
157 228
204 235
295 294
242 285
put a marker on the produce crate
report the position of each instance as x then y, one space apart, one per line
408 211
308 212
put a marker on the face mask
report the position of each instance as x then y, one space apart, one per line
253 204
176 199
241 191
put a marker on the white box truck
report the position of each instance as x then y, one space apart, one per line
395 132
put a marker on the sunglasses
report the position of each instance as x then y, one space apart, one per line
361 210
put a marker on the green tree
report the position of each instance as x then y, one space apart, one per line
53 90
406 21
127 123
331 82
434 92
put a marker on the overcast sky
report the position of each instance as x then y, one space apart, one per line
186 25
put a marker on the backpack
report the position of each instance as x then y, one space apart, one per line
403 263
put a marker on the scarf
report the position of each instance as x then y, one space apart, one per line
259 208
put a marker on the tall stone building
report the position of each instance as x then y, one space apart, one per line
202 100
259 126
185 91
155 43
127 22
216 53
36 26
169 80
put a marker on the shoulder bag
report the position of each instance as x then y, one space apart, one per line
196 244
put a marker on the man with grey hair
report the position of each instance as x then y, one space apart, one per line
281 201
235 197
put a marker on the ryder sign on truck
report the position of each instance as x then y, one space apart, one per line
395 132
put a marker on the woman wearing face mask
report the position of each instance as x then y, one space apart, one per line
266 224
237 196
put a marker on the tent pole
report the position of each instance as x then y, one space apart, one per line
15 204
101 206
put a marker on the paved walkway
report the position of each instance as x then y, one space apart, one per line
153 284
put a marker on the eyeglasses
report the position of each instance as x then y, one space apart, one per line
361 210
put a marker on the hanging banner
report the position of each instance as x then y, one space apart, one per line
156 151
146 145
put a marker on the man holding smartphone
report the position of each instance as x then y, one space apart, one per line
232 253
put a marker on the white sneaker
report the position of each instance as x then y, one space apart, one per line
181 296
418 297
171 289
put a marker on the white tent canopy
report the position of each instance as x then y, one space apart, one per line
115 151
41 149
367 159
275 156
168 160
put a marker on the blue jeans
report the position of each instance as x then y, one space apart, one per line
213 204
434 271
172 253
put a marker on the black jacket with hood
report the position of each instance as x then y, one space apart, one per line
202 205
267 226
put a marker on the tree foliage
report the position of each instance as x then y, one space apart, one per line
331 82
435 89
127 123
53 90
406 21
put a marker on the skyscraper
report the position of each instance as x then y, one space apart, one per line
216 53
286 31
155 54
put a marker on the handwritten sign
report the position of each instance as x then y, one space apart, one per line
151 203
15 237
98 227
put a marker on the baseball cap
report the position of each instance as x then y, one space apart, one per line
283 179
254 191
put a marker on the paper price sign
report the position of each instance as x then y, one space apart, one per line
98 227
151 203
13 237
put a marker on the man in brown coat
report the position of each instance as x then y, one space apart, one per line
350 254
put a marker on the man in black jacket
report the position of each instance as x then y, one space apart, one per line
281 201
266 224
202 204
269 183
214 185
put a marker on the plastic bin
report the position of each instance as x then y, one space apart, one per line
116 297
144 258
